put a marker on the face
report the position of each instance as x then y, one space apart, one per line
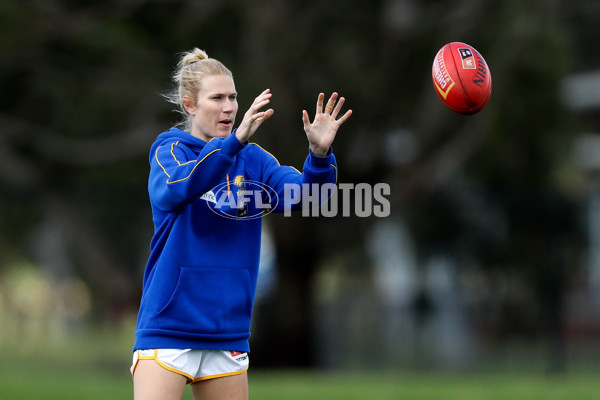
213 115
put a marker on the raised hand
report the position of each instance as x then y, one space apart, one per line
322 130
253 117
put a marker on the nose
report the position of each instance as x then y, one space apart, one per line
228 106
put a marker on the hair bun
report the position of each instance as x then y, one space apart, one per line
193 56
188 77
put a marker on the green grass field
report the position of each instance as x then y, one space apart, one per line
81 383
96 367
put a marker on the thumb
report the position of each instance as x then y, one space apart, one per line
305 120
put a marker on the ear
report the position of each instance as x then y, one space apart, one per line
189 105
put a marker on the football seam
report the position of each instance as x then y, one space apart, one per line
468 100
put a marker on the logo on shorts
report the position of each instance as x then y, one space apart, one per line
239 356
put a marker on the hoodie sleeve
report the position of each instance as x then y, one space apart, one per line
292 185
177 176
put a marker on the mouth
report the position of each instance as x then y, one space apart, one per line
226 122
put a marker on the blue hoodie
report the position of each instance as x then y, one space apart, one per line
200 279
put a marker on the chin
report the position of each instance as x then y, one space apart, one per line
223 132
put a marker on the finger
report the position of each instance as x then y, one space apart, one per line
338 107
266 94
344 117
261 116
268 114
262 97
257 106
305 119
261 104
331 103
320 103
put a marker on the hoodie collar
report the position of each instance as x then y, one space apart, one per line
178 135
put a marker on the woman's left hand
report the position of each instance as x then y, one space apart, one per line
322 130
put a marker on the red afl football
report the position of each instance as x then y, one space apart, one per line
461 78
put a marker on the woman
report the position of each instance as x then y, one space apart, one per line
198 292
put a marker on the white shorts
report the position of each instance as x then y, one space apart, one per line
196 365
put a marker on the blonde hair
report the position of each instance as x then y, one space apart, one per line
193 66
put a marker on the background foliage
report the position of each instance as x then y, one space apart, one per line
499 195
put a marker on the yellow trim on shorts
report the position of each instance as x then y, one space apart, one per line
190 378
205 378
165 366
137 360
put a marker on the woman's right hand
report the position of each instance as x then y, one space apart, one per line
253 117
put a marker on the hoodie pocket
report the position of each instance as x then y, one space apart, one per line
209 301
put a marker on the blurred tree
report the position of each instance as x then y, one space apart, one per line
82 104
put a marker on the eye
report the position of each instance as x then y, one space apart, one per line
233 97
